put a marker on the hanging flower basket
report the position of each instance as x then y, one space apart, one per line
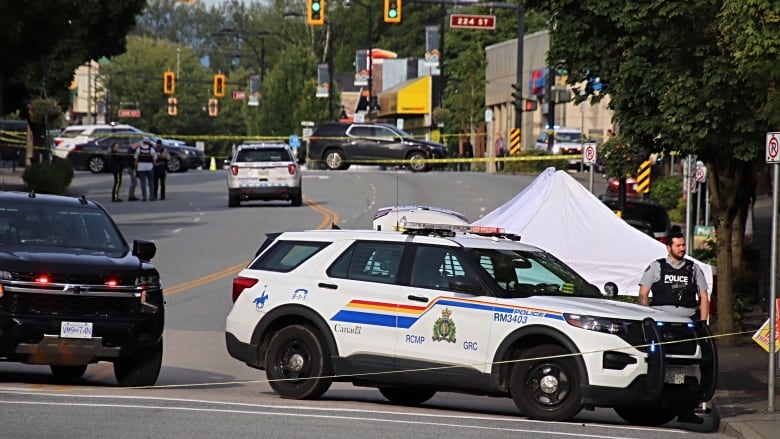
620 158
44 111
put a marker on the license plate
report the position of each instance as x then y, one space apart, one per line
674 375
76 330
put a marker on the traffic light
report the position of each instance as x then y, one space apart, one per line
173 105
392 11
219 85
169 83
213 107
530 105
316 12
517 95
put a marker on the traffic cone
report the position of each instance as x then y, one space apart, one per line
213 165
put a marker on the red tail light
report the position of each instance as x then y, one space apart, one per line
234 170
662 239
291 169
240 284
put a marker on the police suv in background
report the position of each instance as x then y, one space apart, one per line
477 312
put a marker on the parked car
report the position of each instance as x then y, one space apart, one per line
73 292
79 134
94 155
613 188
566 141
264 171
337 145
436 310
642 212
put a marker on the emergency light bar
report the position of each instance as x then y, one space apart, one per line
416 228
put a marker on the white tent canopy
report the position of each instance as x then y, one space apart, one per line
558 214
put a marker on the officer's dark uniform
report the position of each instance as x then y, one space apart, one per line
160 171
677 287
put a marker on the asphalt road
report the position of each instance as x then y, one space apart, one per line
202 392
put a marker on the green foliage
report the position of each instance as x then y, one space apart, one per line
677 214
620 157
49 177
667 191
706 253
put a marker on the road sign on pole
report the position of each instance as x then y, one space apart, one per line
468 21
589 154
773 147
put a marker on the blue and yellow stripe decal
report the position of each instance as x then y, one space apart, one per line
368 312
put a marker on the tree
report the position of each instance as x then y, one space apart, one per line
43 41
669 70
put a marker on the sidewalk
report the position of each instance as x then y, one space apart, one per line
11 181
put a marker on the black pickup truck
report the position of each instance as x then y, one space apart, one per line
73 292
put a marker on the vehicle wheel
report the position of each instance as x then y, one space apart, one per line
141 369
417 162
295 363
96 164
334 160
545 386
174 164
407 395
68 372
646 416
233 201
297 200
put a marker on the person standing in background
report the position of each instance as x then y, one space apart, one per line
468 152
160 171
117 166
130 163
500 151
145 157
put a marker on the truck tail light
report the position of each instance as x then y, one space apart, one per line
234 170
291 169
240 284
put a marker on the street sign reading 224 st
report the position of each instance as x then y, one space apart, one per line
466 21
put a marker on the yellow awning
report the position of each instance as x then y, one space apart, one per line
410 97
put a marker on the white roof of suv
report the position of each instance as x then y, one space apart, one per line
76 134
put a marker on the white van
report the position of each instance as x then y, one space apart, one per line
388 218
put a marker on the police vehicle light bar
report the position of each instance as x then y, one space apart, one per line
448 229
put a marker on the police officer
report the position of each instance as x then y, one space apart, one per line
145 157
117 167
160 170
678 284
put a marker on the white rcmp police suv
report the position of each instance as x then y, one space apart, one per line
434 309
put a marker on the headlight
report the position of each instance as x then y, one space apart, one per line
599 324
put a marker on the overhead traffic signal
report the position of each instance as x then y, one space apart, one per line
316 12
213 107
219 85
173 105
517 96
169 83
392 11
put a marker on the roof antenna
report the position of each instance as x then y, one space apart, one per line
83 199
334 226
31 194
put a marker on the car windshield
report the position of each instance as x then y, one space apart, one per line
531 273
569 137
263 155
68 227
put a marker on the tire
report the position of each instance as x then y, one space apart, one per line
407 395
334 160
295 363
297 200
546 386
68 372
646 416
96 164
174 164
141 369
233 201
417 164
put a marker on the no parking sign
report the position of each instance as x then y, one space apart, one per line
589 154
773 147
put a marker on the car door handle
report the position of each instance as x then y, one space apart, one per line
417 298
328 286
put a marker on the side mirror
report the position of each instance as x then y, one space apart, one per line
610 289
144 250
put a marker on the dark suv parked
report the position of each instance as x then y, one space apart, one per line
641 213
338 145
73 292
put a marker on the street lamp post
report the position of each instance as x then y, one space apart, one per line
371 101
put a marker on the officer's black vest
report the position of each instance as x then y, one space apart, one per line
676 286
145 154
